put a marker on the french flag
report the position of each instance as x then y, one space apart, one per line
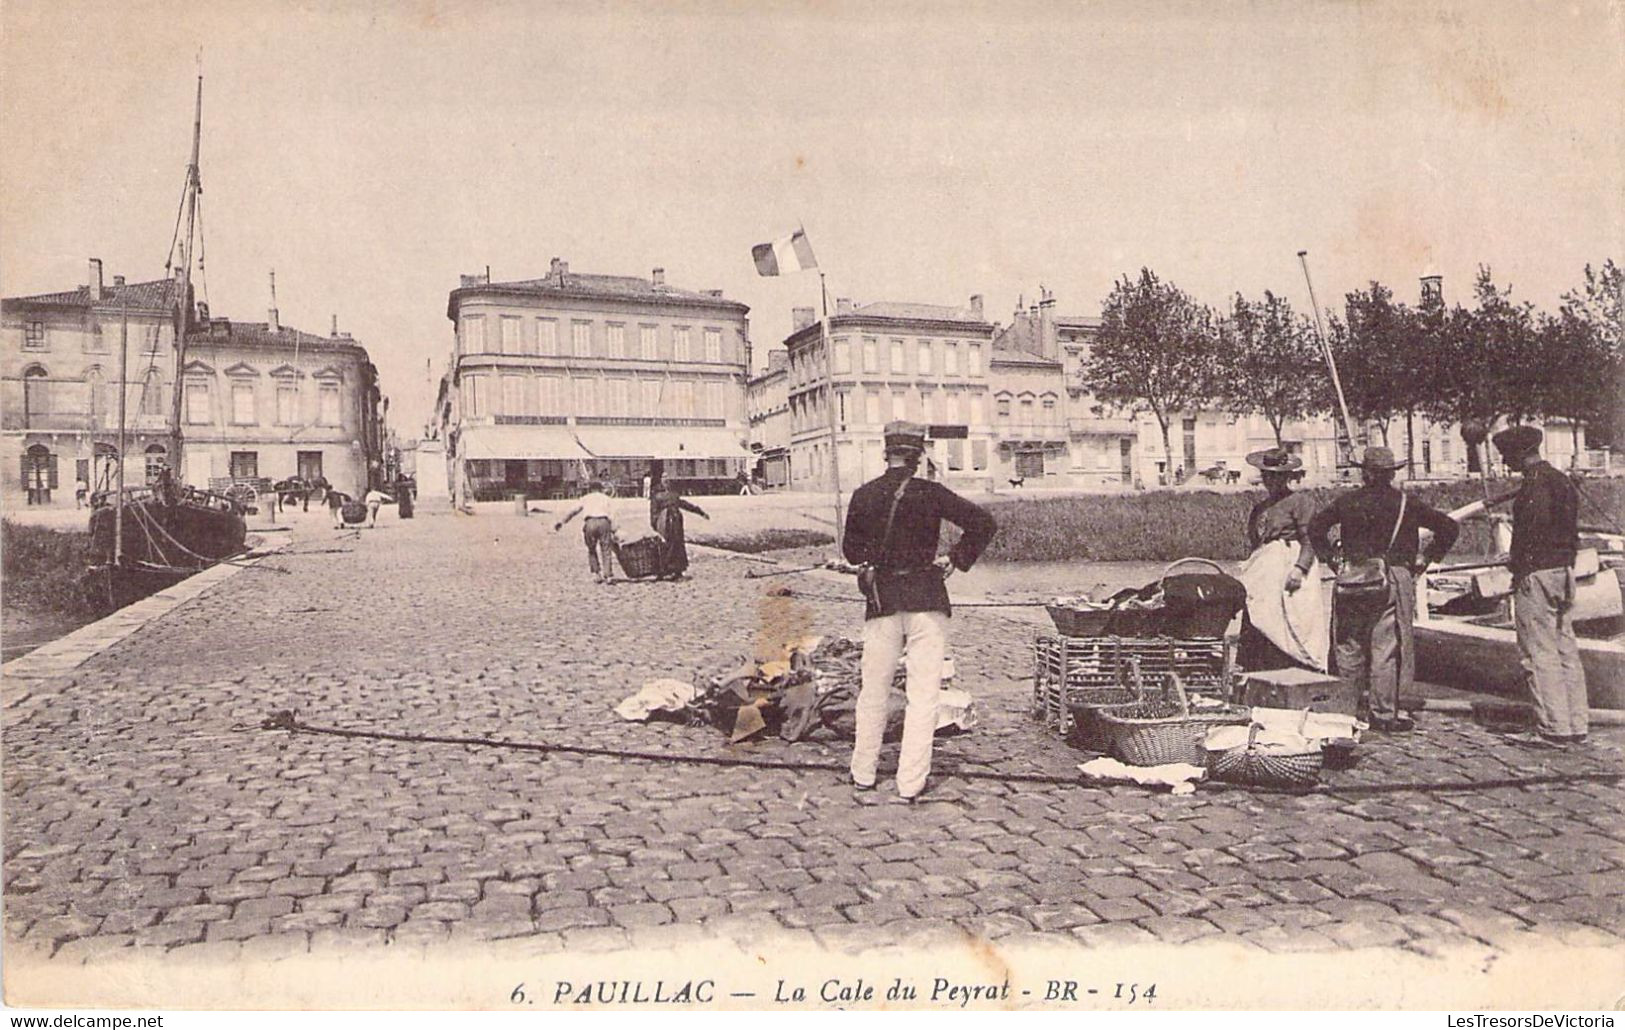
787 254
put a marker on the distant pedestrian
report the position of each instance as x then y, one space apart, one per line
597 530
666 509
1545 541
81 491
374 500
1374 595
335 504
403 497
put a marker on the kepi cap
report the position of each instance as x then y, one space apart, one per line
905 436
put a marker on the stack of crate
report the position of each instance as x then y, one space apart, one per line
1067 669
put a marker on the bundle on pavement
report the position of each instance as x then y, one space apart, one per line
814 683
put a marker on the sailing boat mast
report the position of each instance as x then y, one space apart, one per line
193 187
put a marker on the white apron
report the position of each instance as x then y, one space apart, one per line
1298 622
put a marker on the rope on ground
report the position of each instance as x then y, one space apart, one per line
788 592
287 720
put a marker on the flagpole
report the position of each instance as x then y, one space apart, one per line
829 387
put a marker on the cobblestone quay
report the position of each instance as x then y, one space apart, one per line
145 808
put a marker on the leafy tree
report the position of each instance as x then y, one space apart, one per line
1374 347
1482 354
1571 375
1599 305
1155 351
1270 362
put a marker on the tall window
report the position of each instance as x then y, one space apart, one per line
843 356
586 396
953 407
973 360
978 455
871 408
897 364
36 392
151 339
899 403
34 336
474 335
547 336
648 342
713 345
242 404
95 342
1027 411
474 400
550 401
96 396
197 403
928 407
510 334
977 411
683 398
925 357
330 405
245 464
679 343
950 358
1003 407
719 400
513 395
1049 409
871 354
581 339
617 402
650 388
287 404
152 393
615 338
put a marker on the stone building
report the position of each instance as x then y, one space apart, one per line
767 404
569 376
889 360
265 400
59 362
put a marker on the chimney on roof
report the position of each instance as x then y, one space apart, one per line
335 325
658 277
1049 343
976 305
273 320
96 291
843 305
779 359
801 318
118 280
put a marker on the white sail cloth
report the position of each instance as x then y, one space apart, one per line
1298 623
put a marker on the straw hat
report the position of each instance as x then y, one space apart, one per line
1518 440
1379 459
1275 459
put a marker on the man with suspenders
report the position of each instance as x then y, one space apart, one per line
892 531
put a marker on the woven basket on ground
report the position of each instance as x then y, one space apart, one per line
1158 731
1266 765
1085 704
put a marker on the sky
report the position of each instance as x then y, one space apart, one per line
372 152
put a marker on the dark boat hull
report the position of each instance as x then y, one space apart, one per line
162 545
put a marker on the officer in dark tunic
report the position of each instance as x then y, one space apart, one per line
892 531
1372 639
1545 540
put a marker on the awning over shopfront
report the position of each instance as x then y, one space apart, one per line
666 442
521 443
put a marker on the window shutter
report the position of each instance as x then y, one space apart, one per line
52 460
25 470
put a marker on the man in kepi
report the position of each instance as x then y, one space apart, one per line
1374 594
1545 539
891 533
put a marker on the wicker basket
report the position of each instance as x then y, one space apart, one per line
1264 766
1079 622
1084 706
1068 669
1202 621
640 558
1161 731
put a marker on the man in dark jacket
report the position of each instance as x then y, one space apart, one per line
1372 640
1545 540
891 531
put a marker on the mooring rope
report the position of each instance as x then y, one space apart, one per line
289 721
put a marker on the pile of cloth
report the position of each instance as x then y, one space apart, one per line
812 684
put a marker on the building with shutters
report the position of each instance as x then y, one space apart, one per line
59 362
260 400
572 376
889 360
767 404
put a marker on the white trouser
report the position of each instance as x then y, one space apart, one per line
925 636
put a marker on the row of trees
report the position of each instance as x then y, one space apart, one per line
1161 351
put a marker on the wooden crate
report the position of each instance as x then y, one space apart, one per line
1066 669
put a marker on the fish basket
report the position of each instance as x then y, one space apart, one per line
1086 669
1079 622
1159 731
353 512
640 558
1084 705
1197 620
1262 765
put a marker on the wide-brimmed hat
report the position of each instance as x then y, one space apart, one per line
1379 459
905 436
1275 459
1518 439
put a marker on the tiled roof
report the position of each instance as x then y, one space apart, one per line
920 312
259 334
1017 356
618 287
156 295
1086 321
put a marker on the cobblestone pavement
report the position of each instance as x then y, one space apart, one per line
146 808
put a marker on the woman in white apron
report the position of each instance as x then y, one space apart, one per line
1286 620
